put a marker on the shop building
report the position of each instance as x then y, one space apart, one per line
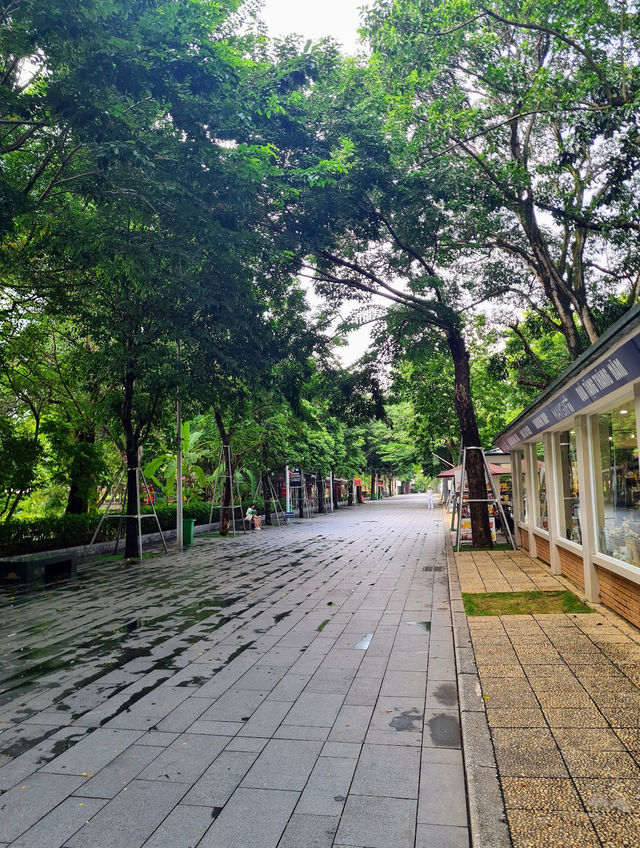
576 482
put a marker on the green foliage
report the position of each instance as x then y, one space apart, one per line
20 454
45 534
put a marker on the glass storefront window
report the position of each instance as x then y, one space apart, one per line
521 471
542 516
618 484
569 488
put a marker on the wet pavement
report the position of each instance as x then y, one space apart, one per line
292 688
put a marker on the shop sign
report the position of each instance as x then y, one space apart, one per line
357 481
295 478
618 370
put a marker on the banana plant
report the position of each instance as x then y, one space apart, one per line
161 471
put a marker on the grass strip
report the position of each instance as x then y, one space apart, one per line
522 603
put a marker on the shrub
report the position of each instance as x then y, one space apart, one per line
67 531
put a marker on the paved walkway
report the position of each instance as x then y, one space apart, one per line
562 699
292 688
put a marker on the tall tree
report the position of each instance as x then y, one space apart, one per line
533 106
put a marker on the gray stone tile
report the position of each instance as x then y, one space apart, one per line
341 749
364 691
351 724
330 680
261 678
183 827
253 818
404 715
93 752
282 657
54 829
342 658
131 817
112 778
387 770
327 788
297 731
221 779
453 756
442 669
442 798
186 758
266 719
289 687
158 740
15 770
392 737
235 705
442 729
283 764
246 743
404 684
184 715
442 694
309 832
215 728
441 836
25 804
150 709
408 660
372 667
315 708
377 822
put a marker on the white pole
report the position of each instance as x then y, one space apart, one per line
179 503
331 491
287 487
138 508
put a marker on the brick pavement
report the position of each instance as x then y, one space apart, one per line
562 701
292 688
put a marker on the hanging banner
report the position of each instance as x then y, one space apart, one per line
619 369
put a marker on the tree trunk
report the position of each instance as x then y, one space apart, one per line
320 487
301 495
82 475
266 491
350 501
225 509
480 529
132 450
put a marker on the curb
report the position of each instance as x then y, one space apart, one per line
487 815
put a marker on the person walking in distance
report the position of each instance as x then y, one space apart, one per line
430 498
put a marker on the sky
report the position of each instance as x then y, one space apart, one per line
315 19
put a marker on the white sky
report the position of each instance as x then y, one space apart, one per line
315 19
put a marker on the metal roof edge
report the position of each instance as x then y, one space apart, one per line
598 348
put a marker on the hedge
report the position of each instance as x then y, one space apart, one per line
68 531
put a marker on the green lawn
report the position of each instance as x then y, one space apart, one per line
522 603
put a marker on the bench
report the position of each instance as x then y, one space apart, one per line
39 567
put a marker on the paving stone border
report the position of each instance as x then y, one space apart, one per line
487 814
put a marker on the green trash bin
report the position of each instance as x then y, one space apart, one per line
187 531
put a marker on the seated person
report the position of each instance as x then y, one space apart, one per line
253 517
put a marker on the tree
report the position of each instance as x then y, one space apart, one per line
371 226
534 108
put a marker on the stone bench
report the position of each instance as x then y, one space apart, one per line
39 567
